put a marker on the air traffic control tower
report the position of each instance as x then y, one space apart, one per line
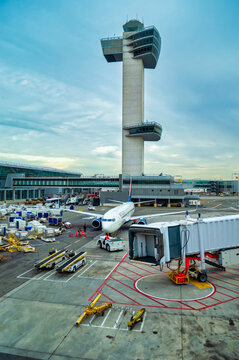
138 48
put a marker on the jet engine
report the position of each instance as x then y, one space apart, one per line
141 222
97 224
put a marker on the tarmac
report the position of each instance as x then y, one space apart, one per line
39 309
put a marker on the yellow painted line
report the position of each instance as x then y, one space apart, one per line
199 284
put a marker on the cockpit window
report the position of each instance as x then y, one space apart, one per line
108 219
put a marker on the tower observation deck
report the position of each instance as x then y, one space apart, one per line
138 49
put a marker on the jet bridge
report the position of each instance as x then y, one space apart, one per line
187 240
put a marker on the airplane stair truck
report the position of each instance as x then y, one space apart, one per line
72 262
213 241
55 256
111 243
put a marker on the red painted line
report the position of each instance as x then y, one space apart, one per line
123 283
200 303
225 275
218 279
139 268
222 302
151 267
219 292
223 287
139 276
149 297
107 298
229 272
216 299
124 275
104 282
136 302
182 303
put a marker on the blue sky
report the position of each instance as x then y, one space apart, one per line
60 101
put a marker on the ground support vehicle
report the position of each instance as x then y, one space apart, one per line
136 318
194 243
16 245
72 262
54 257
91 310
111 243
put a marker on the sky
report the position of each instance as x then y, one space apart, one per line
61 102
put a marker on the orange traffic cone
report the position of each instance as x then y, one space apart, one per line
85 234
76 233
79 234
69 234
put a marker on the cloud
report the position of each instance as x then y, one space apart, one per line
111 151
55 162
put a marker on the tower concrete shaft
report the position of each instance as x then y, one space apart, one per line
132 110
138 48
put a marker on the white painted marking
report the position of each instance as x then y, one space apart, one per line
142 325
25 272
52 273
71 277
160 298
92 319
112 270
106 317
109 327
40 277
118 319
87 268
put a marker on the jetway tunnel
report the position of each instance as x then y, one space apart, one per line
148 244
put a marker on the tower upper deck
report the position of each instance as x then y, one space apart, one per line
144 43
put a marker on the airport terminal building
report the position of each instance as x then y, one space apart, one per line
19 182
11 172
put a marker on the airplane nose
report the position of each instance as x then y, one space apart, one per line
107 228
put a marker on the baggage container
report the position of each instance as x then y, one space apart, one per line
3 229
20 224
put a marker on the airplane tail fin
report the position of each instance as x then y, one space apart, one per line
130 190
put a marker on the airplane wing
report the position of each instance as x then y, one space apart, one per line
159 214
93 215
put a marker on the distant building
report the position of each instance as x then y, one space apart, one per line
10 171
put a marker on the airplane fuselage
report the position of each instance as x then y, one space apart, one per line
116 217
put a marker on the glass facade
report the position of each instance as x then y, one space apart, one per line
146 45
69 182
157 180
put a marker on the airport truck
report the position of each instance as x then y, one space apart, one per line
72 262
55 256
110 243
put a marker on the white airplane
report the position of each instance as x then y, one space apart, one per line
113 219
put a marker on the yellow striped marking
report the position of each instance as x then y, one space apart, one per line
199 284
